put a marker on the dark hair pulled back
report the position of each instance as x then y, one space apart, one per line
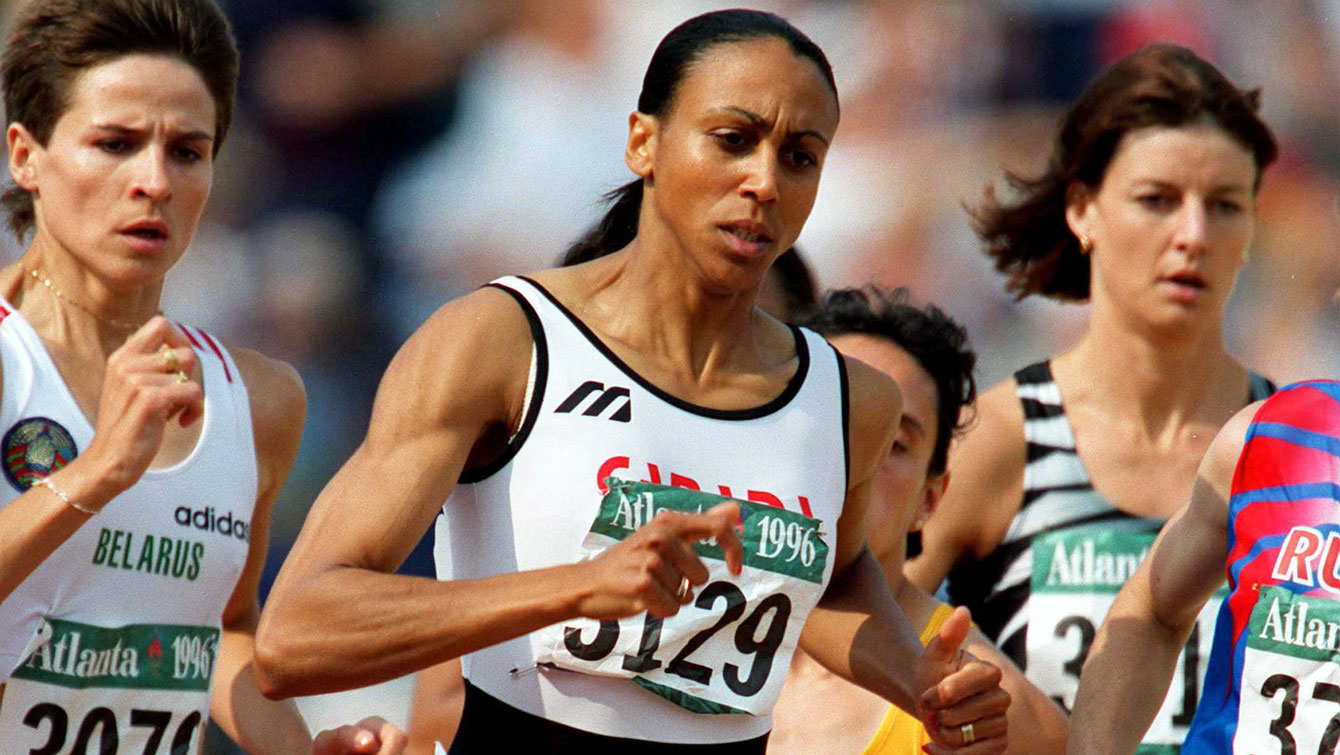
1160 85
670 64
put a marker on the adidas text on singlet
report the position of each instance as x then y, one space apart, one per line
1273 684
1043 593
591 417
110 642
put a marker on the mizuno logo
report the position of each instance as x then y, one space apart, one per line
605 398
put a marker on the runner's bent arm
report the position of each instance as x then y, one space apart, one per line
1131 664
971 519
138 399
858 631
278 407
459 380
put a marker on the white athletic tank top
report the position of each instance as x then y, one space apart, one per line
112 638
590 416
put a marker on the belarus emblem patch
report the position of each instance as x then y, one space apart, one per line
34 448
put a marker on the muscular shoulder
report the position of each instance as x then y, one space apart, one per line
875 404
1221 460
468 361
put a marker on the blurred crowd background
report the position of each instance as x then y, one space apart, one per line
391 154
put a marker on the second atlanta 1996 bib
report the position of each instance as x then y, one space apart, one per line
1077 574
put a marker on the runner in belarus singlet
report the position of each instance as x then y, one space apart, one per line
600 449
108 646
1043 593
1273 684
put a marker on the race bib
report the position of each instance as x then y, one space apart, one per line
139 689
1290 697
1076 576
728 651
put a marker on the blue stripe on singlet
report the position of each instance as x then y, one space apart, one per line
1295 435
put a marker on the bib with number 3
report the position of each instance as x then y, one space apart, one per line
1290 699
139 688
728 650
1076 576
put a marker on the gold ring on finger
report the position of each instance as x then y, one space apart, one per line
181 377
170 361
969 736
683 588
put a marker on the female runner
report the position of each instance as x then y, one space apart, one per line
522 404
142 459
1146 211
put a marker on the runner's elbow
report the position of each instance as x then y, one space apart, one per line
277 676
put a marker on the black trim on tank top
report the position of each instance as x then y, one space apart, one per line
514 443
784 398
489 725
845 389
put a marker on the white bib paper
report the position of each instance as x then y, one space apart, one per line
1290 697
139 688
728 651
1076 576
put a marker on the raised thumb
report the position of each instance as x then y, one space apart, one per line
944 646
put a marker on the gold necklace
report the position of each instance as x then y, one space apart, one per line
121 324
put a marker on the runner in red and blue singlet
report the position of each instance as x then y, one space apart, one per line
1267 506
1273 678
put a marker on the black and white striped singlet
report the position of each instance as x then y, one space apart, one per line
1057 495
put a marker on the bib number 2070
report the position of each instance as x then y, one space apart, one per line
98 730
775 609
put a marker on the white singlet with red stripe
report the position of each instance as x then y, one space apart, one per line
589 417
113 637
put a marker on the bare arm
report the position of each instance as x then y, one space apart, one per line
278 407
1131 663
435 710
972 517
460 377
858 631
139 397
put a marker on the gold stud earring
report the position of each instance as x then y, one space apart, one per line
1085 245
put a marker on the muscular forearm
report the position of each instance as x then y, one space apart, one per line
1126 676
858 632
390 625
260 726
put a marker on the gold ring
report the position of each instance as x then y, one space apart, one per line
181 377
170 361
969 736
683 588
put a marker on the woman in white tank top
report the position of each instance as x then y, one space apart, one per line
142 459
537 407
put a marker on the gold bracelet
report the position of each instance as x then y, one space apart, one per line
46 481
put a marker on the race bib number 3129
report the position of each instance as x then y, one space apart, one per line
728 651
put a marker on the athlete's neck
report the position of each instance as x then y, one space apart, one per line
637 298
66 303
1161 386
